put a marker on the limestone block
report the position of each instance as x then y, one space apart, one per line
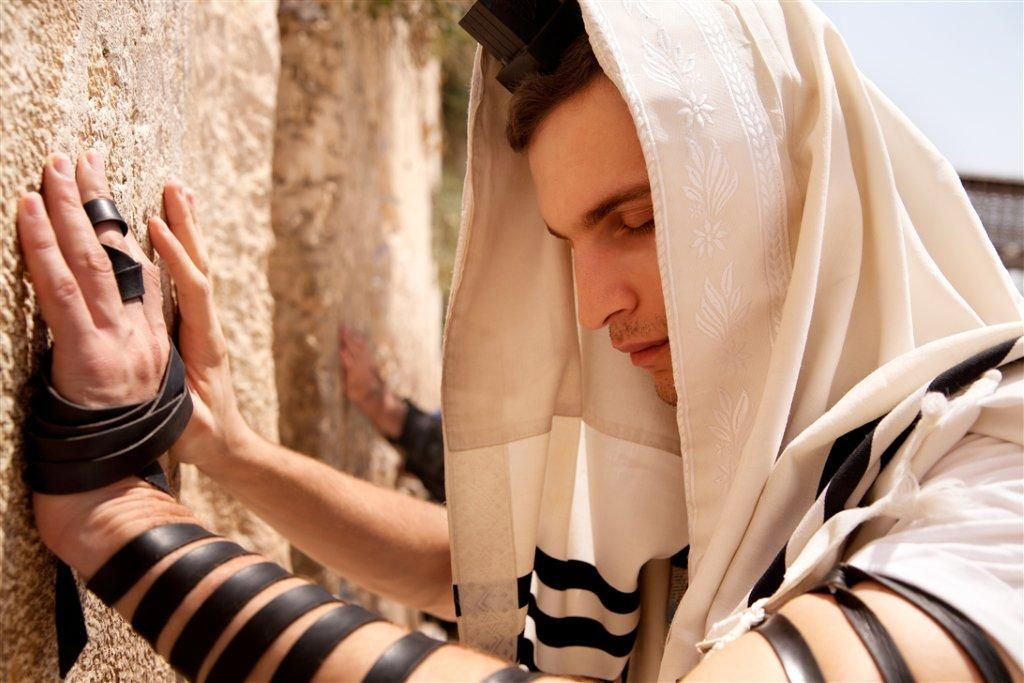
357 156
163 88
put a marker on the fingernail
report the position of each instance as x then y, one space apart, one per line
95 160
61 164
32 204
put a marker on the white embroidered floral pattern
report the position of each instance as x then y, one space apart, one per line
711 183
762 142
708 237
696 109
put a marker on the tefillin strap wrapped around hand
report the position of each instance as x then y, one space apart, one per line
70 448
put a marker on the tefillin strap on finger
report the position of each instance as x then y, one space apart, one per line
127 271
526 37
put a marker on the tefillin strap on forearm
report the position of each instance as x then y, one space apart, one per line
71 448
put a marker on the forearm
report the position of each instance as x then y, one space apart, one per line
136 508
387 542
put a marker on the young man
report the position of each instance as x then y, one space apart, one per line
768 242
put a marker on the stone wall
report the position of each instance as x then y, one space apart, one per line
164 88
190 89
357 157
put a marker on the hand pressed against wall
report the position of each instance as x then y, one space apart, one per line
108 352
105 352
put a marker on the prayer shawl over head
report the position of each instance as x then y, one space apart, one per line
822 268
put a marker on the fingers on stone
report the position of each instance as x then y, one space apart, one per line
181 219
92 184
57 291
78 243
192 285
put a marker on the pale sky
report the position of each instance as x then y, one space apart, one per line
956 69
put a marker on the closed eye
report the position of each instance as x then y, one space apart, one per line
639 229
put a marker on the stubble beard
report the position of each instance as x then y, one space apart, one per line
664 385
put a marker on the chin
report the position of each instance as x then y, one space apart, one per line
666 389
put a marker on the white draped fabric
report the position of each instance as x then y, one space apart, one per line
821 265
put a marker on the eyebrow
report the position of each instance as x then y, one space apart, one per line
607 205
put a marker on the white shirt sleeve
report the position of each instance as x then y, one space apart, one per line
964 542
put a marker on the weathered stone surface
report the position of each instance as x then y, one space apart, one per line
357 156
164 88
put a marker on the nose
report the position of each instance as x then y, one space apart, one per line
602 287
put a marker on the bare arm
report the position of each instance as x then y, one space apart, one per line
109 353
383 540
106 519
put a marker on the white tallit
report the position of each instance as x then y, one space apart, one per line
821 265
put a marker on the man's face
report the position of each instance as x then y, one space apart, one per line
592 186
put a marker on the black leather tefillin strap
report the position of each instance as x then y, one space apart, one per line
869 629
401 658
311 649
960 628
241 654
127 271
794 654
71 448
213 616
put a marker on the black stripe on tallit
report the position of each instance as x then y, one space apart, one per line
523 589
562 575
849 472
965 372
840 451
524 652
579 631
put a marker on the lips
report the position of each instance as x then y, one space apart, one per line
644 353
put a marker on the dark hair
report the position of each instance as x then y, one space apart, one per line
539 93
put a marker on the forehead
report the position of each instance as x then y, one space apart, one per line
584 150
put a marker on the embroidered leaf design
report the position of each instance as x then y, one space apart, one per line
712 183
637 9
730 421
721 308
666 63
720 180
730 416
